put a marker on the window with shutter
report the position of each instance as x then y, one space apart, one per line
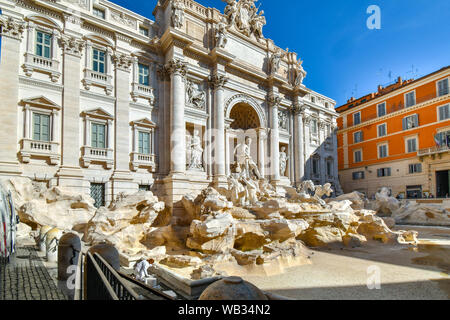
41 127
382 109
382 130
98 136
412 145
357 118
144 142
443 87
410 99
444 112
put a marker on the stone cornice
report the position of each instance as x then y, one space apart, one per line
173 37
40 83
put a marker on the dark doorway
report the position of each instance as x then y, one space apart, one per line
442 183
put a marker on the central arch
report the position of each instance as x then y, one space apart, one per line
246 119
241 99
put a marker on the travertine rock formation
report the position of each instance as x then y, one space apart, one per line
37 205
423 213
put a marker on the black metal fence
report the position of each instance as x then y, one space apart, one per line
102 282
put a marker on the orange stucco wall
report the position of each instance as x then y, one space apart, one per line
428 127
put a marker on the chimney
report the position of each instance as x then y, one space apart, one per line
380 88
399 80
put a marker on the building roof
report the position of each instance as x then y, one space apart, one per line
400 83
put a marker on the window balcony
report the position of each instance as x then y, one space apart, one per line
99 79
40 149
142 91
98 155
37 63
139 160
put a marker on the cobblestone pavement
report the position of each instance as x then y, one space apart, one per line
26 278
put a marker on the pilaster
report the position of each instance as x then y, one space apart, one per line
11 32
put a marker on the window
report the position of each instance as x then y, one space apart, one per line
415 168
41 127
98 194
329 167
384 172
143 31
314 126
145 188
382 151
98 139
444 112
98 13
144 142
144 75
43 44
411 145
315 165
381 109
443 139
358 175
358 137
443 87
411 122
99 58
382 130
358 156
357 118
410 99
313 99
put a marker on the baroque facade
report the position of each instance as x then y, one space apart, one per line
104 101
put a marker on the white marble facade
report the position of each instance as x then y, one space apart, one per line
94 94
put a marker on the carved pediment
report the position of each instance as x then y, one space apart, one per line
145 122
41 102
245 17
98 113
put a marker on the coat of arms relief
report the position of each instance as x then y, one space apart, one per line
245 17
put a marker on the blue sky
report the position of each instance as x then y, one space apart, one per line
341 55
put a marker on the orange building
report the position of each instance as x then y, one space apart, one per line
398 137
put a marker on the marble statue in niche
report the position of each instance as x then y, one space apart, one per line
283 161
195 151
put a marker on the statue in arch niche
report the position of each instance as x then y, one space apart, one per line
245 162
195 152
283 161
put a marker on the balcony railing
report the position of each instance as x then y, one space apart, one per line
99 79
143 161
98 155
141 91
34 148
38 63
392 108
433 150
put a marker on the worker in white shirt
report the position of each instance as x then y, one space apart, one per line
141 269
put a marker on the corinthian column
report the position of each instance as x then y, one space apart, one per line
274 103
218 82
299 143
177 70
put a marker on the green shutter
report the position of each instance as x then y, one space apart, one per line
45 128
36 127
94 136
141 143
